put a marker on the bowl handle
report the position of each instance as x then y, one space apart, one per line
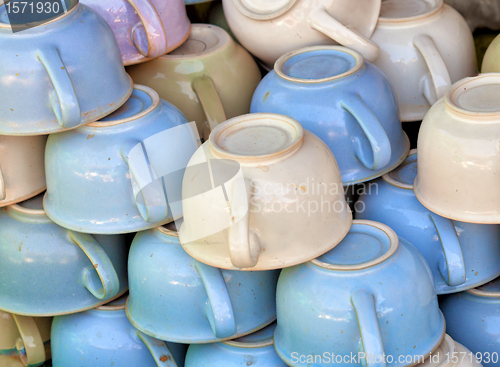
219 310
439 72
3 194
159 350
101 280
371 336
379 141
153 26
244 243
323 22
65 102
210 102
452 267
29 347
148 189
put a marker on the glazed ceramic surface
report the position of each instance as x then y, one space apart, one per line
256 349
425 46
59 75
347 102
373 293
473 319
47 270
285 201
461 255
174 297
144 29
451 354
22 171
209 78
24 336
106 177
10 361
490 61
269 29
104 337
458 152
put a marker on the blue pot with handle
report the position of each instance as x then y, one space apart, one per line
58 75
48 270
461 255
177 298
343 99
367 302
103 337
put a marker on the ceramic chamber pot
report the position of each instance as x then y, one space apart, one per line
210 78
343 99
103 336
425 46
373 293
176 298
22 171
115 175
285 200
458 152
269 29
144 29
47 270
461 255
472 320
61 74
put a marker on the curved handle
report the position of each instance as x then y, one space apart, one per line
210 102
102 280
148 189
159 350
219 309
381 146
371 336
244 244
29 347
452 268
322 21
3 194
439 72
153 28
65 106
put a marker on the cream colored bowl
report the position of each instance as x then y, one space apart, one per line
459 152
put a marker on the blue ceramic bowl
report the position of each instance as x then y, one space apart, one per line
256 350
47 270
176 298
61 74
343 99
107 177
473 319
103 337
371 294
461 255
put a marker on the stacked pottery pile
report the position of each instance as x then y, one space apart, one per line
217 200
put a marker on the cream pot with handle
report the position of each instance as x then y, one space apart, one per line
61 74
262 193
269 29
425 46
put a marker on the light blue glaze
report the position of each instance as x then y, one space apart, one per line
89 170
59 75
104 337
355 115
169 300
392 304
44 270
256 350
474 321
465 255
